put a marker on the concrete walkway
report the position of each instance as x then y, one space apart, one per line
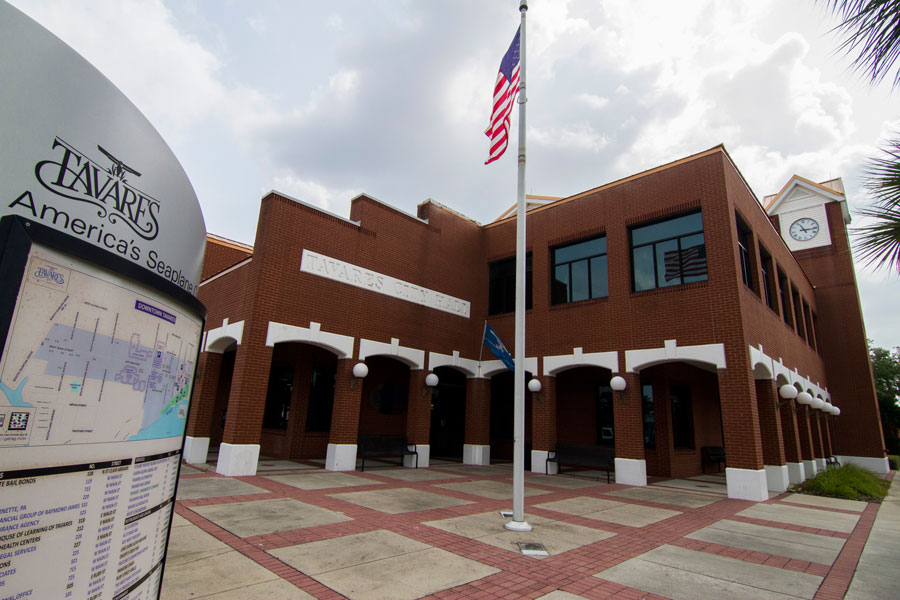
295 531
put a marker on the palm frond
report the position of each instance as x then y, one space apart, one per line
872 31
881 176
878 244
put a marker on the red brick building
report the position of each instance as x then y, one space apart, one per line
676 279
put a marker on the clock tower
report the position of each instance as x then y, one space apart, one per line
812 219
801 208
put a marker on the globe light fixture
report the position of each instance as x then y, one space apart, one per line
618 384
788 392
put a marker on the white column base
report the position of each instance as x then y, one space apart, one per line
746 484
879 466
809 468
236 460
424 451
518 526
196 450
820 464
340 457
796 473
476 454
540 465
777 478
631 471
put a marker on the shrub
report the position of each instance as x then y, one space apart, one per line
895 461
850 481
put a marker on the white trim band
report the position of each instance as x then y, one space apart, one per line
342 345
578 358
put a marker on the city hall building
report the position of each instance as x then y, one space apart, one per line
735 325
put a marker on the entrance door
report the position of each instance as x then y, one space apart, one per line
448 413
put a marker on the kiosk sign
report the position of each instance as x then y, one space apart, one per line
101 247
77 156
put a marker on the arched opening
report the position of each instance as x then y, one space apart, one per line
448 414
682 414
385 397
503 415
584 407
223 389
299 401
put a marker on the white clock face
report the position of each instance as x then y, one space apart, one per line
804 229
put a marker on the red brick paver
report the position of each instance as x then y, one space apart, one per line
519 576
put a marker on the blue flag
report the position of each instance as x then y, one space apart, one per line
492 340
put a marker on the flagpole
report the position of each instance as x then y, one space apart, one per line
518 522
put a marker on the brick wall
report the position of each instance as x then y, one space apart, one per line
843 344
440 250
221 254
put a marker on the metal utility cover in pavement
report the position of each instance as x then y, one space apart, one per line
533 549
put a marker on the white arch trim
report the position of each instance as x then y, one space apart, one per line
807 385
218 339
412 357
578 358
489 368
777 370
704 355
762 365
341 345
466 365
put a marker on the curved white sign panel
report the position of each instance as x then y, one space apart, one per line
78 156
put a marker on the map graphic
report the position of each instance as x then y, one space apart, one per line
89 360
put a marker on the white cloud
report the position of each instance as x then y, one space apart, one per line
344 82
258 24
142 51
592 100
580 137
312 192
335 22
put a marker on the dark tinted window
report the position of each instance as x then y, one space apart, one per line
682 418
668 253
648 416
321 399
743 238
579 271
278 397
502 292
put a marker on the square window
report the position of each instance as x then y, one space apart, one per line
669 252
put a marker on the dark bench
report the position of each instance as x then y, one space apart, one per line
384 445
600 457
712 454
832 462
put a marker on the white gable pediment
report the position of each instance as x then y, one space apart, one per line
800 194
804 201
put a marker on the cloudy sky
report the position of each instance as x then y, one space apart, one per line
324 100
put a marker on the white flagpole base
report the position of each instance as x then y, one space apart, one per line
518 526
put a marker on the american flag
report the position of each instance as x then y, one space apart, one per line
505 91
690 262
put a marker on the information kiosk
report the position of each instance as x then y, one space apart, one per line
101 246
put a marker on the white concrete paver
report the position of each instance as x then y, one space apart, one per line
806 517
772 540
246 519
876 572
683 574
